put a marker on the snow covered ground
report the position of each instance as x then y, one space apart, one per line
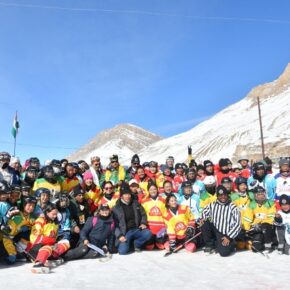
150 270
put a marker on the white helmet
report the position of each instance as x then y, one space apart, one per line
209 180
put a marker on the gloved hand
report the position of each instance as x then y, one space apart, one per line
257 228
190 232
21 246
278 219
172 245
12 211
189 150
11 259
5 228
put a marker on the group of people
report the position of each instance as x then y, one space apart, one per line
71 210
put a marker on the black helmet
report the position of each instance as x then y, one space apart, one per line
4 187
258 165
15 188
29 199
49 174
34 161
239 180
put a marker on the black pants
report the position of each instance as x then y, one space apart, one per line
282 244
263 239
213 239
81 252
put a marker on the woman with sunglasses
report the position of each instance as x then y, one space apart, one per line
110 197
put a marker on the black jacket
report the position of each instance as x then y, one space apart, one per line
99 234
119 217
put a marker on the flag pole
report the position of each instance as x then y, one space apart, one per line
261 128
14 151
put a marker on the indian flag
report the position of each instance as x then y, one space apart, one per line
15 126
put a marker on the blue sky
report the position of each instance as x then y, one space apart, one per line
73 68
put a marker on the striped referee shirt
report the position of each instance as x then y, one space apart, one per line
226 218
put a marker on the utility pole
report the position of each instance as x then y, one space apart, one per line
261 128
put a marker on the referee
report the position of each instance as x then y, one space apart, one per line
221 223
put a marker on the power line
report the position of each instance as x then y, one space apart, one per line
142 12
39 146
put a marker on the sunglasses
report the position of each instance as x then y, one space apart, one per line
114 161
107 188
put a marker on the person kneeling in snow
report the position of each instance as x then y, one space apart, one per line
97 231
43 237
221 224
180 225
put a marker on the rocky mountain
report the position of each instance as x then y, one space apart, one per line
235 131
124 140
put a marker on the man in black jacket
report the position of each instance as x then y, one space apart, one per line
131 223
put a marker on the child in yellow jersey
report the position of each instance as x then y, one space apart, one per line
155 209
241 199
48 181
70 181
16 236
261 213
179 224
43 237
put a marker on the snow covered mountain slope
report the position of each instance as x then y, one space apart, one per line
124 140
234 131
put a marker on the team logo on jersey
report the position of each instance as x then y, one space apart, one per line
155 211
261 215
180 227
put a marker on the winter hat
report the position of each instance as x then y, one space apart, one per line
178 165
14 160
170 158
186 184
209 180
207 163
259 189
268 160
114 158
104 207
284 199
223 162
88 175
133 181
283 161
226 180
125 189
135 159
153 164
243 158
199 167
221 190
237 166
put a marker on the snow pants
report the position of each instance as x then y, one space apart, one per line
42 253
80 252
213 239
282 245
137 237
263 239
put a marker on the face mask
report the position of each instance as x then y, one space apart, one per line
4 165
225 170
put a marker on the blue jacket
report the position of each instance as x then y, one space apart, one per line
269 183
